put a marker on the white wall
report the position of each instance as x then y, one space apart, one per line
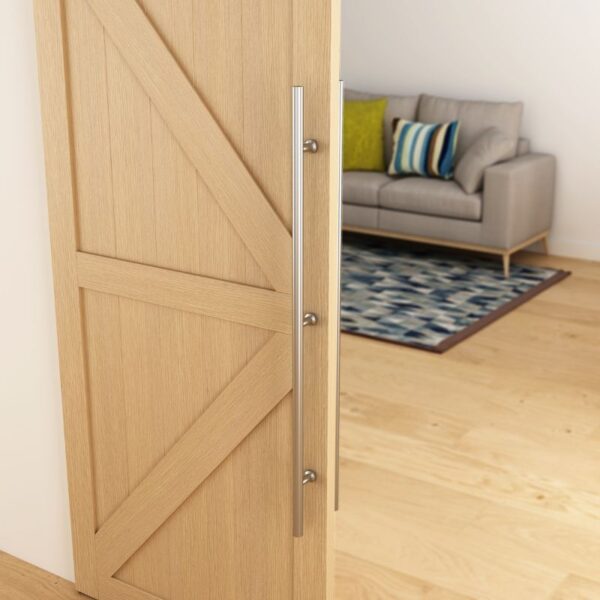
543 52
34 523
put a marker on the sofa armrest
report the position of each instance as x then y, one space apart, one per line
518 199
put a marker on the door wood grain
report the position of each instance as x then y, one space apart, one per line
168 154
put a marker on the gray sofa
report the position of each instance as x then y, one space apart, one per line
512 210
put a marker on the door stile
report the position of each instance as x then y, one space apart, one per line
50 29
316 67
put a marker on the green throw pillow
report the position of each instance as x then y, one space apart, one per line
363 135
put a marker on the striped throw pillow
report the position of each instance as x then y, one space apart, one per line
422 149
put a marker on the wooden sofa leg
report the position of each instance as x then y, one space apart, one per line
545 245
506 265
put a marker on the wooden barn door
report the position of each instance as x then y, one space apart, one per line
168 133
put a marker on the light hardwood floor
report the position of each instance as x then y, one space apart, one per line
474 475
21 581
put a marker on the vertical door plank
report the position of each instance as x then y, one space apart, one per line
91 131
267 114
176 198
59 181
218 77
193 218
175 185
107 402
214 539
147 408
263 475
235 34
218 64
316 67
131 154
263 464
95 211
181 233
192 535
188 339
132 147
178 247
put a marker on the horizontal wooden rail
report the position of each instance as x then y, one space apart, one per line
225 300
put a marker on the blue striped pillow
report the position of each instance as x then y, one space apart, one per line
422 149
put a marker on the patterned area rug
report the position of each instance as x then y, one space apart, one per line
425 297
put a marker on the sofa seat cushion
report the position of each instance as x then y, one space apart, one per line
361 188
431 197
474 118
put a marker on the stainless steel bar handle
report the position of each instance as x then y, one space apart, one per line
301 319
339 307
298 312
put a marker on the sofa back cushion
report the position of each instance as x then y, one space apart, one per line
491 147
474 117
398 107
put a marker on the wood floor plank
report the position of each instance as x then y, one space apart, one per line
401 418
536 538
577 588
476 392
573 463
469 475
22 581
543 339
358 579
416 528
573 303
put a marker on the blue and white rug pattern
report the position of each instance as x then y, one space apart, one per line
427 297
